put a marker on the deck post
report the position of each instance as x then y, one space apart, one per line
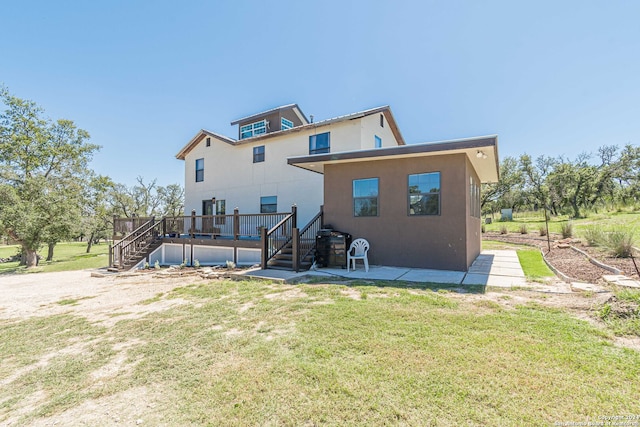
294 216
192 231
236 224
263 248
295 249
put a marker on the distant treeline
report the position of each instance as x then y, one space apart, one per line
606 179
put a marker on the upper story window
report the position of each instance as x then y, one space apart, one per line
381 120
269 204
258 154
365 197
253 129
199 170
319 144
208 142
378 141
424 194
285 124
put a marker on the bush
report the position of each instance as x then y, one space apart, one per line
482 229
620 242
594 235
566 228
523 229
542 230
504 229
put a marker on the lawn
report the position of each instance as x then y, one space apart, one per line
66 257
258 353
629 220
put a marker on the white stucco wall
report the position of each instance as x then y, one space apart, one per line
231 175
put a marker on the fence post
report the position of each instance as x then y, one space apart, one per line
294 216
295 249
321 216
264 246
115 218
236 224
164 226
111 255
192 231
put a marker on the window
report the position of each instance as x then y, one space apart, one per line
424 194
365 197
285 124
381 120
257 128
474 198
220 210
269 204
208 142
319 144
199 170
378 141
258 154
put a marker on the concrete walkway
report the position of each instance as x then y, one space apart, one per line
499 268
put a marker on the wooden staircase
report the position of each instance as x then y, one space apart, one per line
283 260
135 247
141 252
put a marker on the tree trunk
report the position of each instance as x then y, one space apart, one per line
30 257
50 251
90 242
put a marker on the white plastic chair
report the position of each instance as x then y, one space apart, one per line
359 247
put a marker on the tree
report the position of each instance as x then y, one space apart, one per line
42 167
148 200
507 192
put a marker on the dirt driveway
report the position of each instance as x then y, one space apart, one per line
96 298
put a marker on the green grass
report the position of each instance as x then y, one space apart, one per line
533 220
258 353
533 265
66 257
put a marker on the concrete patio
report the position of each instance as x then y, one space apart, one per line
497 268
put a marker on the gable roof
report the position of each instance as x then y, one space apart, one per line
199 137
482 152
293 107
385 110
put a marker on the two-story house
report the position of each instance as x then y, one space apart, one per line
251 173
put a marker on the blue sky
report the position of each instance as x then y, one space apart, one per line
549 77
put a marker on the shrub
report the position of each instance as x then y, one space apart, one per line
196 263
156 265
482 229
594 235
620 243
566 228
231 265
523 229
542 230
504 229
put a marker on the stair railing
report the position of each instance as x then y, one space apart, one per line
277 237
304 241
124 250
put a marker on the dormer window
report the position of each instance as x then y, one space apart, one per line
253 129
285 124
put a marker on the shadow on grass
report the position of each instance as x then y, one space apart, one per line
399 284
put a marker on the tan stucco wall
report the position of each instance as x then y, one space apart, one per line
396 238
